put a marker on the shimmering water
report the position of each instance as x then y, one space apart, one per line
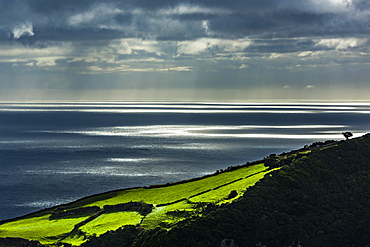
53 153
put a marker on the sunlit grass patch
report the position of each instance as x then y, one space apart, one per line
111 221
39 228
160 214
220 195
172 193
74 239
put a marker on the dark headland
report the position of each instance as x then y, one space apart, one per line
316 196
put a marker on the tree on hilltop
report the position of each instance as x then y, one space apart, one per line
347 134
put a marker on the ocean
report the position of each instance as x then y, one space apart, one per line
54 153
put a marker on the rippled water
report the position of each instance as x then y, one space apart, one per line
53 153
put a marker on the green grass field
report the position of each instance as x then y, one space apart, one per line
40 228
110 221
171 204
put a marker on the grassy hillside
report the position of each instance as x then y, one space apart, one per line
315 196
150 207
319 200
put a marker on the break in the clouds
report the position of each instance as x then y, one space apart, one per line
256 49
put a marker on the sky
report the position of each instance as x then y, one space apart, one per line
185 50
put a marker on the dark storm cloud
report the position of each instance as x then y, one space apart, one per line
193 38
179 20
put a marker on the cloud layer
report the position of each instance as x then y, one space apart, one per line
150 44
177 20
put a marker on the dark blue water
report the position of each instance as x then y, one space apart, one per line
56 153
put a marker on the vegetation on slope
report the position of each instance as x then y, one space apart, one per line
319 200
316 196
159 206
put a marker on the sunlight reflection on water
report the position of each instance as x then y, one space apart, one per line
191 108
109 171
54 153
209 131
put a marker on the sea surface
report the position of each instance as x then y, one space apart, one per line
54 153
